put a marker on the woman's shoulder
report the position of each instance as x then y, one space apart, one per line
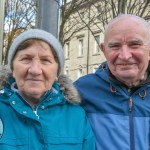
76 110
69 90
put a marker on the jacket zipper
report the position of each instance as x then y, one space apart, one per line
149 135
35 112
132 147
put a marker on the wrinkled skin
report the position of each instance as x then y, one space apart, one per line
127 50
35 71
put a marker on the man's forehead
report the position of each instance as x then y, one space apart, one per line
128 40
122 36
126 24
126 19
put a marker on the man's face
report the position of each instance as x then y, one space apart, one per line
127 50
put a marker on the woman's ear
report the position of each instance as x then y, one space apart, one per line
56 78
13 74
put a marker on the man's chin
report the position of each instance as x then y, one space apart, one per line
126 77
127 74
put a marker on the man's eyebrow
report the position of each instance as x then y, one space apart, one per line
113 42
136 41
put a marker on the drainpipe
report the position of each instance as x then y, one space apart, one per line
88 48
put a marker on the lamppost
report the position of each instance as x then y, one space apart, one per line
47 17
2 7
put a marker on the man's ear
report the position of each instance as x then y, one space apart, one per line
102 47
149 55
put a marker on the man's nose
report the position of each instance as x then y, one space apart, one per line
125 53
35 67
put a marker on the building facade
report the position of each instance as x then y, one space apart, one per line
85 28
82 54
82 51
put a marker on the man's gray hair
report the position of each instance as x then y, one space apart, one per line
121 16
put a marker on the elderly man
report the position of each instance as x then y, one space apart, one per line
117 97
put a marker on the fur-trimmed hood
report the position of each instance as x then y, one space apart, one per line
66 85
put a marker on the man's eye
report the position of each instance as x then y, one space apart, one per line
115 47
135 45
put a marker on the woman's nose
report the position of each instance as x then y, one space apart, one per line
35 68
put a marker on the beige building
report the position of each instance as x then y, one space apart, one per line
82 52
82 57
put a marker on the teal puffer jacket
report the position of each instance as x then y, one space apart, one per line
55 124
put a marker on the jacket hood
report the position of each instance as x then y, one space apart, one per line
67 87
65 84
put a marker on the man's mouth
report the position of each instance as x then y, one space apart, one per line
126 64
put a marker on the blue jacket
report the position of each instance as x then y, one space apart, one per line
120 120
55 124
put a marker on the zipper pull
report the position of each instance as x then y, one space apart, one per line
130 104
35 112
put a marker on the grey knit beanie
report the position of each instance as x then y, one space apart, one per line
42 35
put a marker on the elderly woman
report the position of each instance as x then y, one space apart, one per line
38 105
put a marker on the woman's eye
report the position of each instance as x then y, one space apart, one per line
45 61
25 59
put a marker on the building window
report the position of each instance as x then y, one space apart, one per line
98 12
81 47
97 43
82 15
67 49
80 73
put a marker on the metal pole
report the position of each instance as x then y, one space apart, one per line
48 16
58 23
88 48
2 7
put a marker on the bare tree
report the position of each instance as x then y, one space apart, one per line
70 22
78 15
19 15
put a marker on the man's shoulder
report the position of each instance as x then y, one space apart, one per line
90 78
84 80
100 73
86 77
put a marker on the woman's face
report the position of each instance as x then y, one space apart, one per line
35 70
